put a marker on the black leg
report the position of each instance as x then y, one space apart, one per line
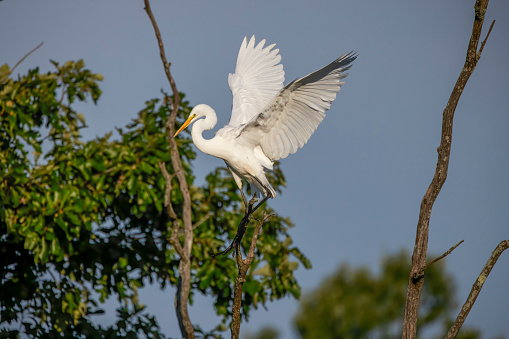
242 226
236 241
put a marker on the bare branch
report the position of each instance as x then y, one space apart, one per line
444 255
444 150
26 56
162 53
184 282
243 266
476 289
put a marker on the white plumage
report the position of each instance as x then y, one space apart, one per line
268 121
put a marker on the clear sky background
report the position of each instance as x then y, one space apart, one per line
354 190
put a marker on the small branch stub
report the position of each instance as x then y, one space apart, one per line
420 274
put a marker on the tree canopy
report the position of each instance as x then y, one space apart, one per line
82 221
356 303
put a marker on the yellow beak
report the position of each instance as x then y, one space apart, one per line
183 127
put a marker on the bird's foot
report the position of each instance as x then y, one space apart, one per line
249 207
226 251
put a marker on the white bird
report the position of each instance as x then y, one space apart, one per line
268 121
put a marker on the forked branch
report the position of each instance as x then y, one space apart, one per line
184 250
444 151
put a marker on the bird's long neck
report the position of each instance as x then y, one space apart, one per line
204 145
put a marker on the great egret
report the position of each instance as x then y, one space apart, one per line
268 121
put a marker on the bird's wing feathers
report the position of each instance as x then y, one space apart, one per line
290 119
257 79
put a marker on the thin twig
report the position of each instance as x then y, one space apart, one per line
486 39
26 56
184 282
243 266
444 151
202 220
64 90
476 289
162 53
420 274
444 255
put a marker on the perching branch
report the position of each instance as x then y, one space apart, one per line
444 150
243 266
476 289
184 282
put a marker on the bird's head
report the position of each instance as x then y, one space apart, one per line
199 111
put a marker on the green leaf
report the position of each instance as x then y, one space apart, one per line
122 262
5 71
251 287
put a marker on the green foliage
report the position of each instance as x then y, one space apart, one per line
355 303
83 221
264 333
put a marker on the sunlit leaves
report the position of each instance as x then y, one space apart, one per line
35 200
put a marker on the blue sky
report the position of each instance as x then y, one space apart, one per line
354 190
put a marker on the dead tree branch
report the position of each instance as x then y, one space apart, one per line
184 282
444 150
476 289
243 266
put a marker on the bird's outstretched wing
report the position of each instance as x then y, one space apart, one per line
257 79
290 119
